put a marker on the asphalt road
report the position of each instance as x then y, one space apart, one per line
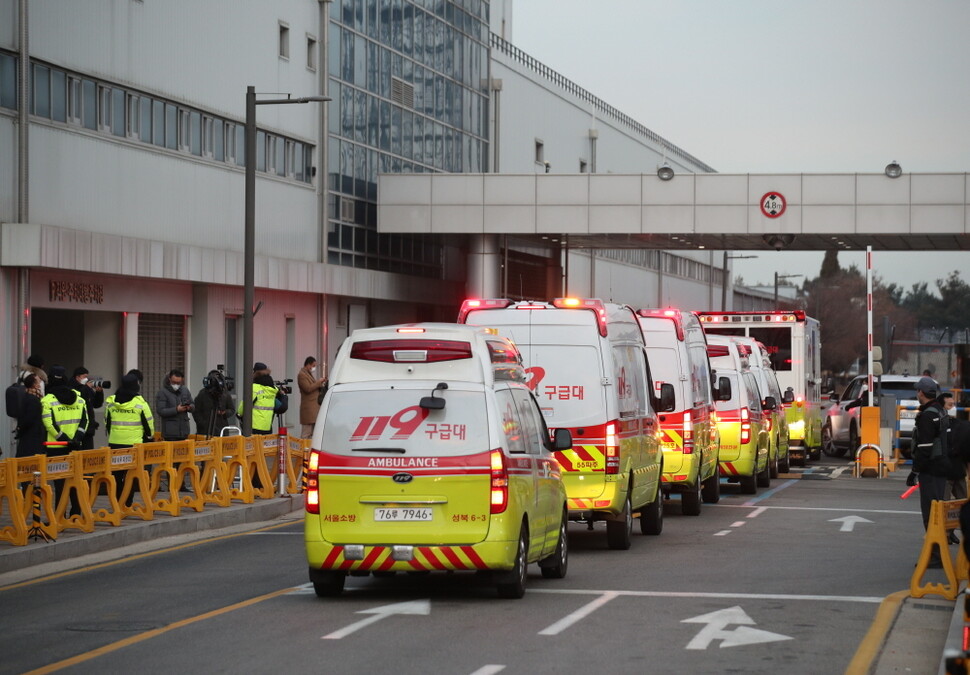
788 580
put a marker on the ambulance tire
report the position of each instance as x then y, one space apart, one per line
749 485
652 515
764 478
327 583
773 465
511 584
690 500
711 490
619 533
555 566
784 466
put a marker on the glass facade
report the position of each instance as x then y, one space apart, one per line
409 83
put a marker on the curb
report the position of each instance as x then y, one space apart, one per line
131 531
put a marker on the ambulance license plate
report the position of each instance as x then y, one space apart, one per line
402 514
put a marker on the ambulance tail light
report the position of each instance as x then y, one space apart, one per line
768 422
799 402
499 497
717 350
473 304
591 304
612 450
745 426
411 350
313 483
688 433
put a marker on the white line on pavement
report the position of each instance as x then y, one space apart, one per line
489 670
579 614
732 596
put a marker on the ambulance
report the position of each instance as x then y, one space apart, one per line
741 419
677 353
587 364
430 453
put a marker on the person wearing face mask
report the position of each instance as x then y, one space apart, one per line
93 398
312 389
173 403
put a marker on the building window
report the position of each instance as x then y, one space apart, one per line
540 152
284 41
118 127
145 123
311 53
104 109
208 141
8 81
184 130
134 116
230 141
41 82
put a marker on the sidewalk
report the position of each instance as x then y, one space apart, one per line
73 543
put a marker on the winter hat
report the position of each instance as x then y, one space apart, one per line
35 360
58 375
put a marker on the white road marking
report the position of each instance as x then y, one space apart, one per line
742 635
419 607
722 533
813 508
489 670
865 599
849 522
737 523
757 512
579 614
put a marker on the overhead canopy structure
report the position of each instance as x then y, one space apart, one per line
925 212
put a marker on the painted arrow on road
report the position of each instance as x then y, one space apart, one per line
849 522
415 607
742 635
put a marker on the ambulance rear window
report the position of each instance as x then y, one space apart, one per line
417 351
390 422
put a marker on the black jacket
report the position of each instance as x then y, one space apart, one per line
931 447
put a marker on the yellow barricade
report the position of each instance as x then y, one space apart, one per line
185 460
238 467
215 472
266 456
137 483
45 522
156 459
97 464
10 494
296 451
68 468
944 516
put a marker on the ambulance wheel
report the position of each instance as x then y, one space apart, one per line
690 501
555 566
773 468
619 533
784 466
764 478
748 485
652 515
711 490
814 454
327 583
511 584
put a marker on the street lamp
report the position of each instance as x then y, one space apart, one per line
249 255
724 281
782 277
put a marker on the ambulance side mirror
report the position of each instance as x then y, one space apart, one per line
724 389
769 403
562 439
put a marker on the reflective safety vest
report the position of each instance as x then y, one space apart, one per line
264 404
128 423
63 418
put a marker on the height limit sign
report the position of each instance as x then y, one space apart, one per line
773 204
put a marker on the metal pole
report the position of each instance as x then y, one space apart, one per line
869 320
249 262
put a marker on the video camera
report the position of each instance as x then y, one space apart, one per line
284 386
217 380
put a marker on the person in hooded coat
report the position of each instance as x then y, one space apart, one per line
128 420
65 416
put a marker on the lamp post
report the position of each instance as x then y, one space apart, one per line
249 255
724 281
782 277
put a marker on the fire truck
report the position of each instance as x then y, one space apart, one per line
791 340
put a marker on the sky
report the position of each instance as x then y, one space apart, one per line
761 86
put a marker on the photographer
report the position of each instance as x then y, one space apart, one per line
173 403
93 395
213 405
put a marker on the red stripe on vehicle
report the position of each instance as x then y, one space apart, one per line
474 557
371 557
332 557
454 559
432 559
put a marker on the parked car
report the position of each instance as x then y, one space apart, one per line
840 432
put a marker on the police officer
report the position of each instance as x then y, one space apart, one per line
65 416
128 420
265 395
93 397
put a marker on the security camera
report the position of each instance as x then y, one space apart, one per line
779 241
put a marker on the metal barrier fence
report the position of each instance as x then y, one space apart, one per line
41 496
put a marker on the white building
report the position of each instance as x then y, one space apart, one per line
122 177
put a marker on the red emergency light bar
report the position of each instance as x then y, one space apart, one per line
717 350
672 314
593 304
489 303
789 316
